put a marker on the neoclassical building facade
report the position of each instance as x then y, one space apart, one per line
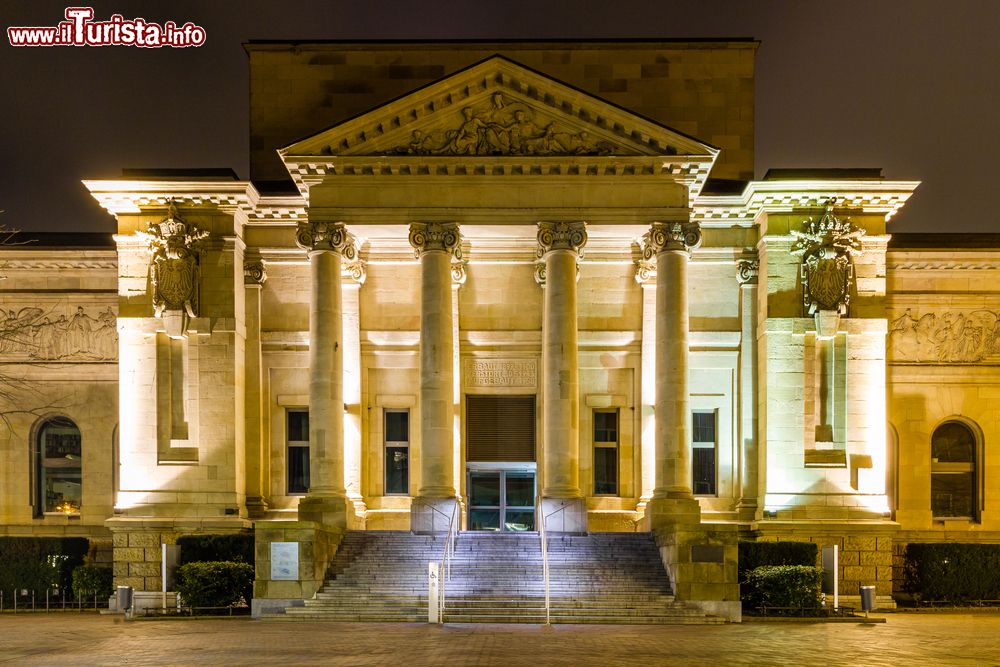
514 282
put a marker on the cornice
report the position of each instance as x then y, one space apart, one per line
132 196
874 196
941 260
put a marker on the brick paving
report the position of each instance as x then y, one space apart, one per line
906 639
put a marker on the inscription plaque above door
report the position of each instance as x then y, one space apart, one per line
501 373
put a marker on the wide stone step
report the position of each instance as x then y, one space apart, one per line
498 578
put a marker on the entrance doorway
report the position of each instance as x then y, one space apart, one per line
500 484
502 500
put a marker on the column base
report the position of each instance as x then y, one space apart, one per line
328 511
662 513
572 519
432 515
747 510
256 507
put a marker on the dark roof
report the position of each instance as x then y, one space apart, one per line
851 174
431 42
168 174
944 241
62 240
724 186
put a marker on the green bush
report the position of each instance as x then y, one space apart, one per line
39 563
784 586
91 580
215 583
234 547
757 554
952 572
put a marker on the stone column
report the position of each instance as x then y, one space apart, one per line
672 500
353 273
257 455
559 246
435 245
326 243
749 450
645 276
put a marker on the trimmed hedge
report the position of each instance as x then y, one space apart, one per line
784 586
233 547
215 583
952 572
757 554
39 563
91 580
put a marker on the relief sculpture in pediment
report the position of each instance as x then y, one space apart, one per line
951 337
503 128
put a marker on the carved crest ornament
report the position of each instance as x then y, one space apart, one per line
175 246
502 127
828 247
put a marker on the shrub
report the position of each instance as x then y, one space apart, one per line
756 554
784 586
233 547
91 580
215 583
39 563
952 572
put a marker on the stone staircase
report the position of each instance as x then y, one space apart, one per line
613 578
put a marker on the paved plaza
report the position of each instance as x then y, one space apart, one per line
906 639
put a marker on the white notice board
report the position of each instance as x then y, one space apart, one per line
284 561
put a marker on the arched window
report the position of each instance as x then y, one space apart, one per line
58 468
953 471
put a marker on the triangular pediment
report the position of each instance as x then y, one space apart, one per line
499 108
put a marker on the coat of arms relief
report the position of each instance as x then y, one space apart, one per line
828 247
175 246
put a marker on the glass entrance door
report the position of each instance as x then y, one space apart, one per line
502 500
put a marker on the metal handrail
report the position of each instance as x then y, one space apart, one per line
544 538
449 552
545 555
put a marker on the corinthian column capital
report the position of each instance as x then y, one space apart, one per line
667 236
561 236
315 235
425 236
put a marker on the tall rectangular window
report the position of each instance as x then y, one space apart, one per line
606 452
703 453
397 452
297 436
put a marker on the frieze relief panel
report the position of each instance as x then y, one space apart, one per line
952 336
501 373
502 126
61 333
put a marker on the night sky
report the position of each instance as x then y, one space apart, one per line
913 87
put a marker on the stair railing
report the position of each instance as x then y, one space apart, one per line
545 555
543 537
449 553
444 565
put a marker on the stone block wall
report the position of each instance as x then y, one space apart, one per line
704 89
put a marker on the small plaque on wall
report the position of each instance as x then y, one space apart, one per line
284 561
707 553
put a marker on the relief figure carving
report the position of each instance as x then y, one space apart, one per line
32 333
502 128
951 337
